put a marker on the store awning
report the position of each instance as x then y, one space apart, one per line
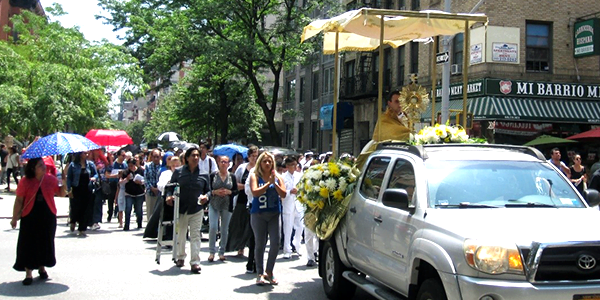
527 109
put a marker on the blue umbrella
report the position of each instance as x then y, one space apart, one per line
230 150
59 143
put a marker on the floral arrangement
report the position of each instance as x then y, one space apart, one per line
325 191
440 134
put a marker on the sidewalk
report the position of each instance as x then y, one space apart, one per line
8 200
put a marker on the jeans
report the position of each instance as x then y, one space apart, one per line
213 219
137 202
97 213
194 221
263 224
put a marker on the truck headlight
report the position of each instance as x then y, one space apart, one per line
493 258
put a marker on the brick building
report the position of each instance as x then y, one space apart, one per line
526 76
9 8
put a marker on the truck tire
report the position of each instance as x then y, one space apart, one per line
431 289
334 284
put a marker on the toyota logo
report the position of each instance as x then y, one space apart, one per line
586 262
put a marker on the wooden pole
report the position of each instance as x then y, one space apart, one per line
335 96
380 75
466 58
434 79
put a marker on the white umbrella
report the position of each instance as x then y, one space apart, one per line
169 137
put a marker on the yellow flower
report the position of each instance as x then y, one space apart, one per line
321 204
334 169
324 192
338 195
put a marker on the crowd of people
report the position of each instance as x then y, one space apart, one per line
250 202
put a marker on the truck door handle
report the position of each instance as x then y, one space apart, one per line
378 219
353 210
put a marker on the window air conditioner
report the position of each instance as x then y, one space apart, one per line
456 69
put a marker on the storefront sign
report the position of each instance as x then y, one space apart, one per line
505 52
476 54
586 38
542 89
522 128
474 88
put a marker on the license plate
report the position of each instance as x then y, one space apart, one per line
587 297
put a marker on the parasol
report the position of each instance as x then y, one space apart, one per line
230 150
548 140
59 143
590 134
109 137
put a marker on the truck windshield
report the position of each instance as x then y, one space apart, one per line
477 184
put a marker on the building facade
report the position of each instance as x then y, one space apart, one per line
9 8
533 70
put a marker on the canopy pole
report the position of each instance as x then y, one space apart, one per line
434 78
335 96
380 75
466 58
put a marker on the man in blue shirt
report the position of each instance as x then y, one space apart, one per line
151 173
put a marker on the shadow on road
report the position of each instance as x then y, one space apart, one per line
37 289
173 271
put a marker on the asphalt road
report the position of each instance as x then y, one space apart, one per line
113 264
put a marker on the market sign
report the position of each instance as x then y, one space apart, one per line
586 38
474 88
542 89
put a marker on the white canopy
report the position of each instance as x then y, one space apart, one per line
359 30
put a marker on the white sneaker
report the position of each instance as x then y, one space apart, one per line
287 255
96 226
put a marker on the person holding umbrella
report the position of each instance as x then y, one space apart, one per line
35 207
80 182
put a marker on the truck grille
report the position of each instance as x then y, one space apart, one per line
577 262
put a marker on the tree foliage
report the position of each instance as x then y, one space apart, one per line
258 39
52 79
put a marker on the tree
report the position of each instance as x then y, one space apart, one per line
136 131
258 38
53 79
205 101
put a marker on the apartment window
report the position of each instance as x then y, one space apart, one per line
349 77
291 90
328 81
539 45
315 86
415 4
457 49
314 137
302 87
387 67
402 4
414 57
401 61
376 69
300 134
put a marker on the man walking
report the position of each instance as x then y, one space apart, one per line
292 209
113 181
193 196
555 160
206 164
151 173
3 155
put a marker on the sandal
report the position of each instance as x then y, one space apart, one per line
43 274
271 279
211 257
260 280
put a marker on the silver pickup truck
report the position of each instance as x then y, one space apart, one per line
464 221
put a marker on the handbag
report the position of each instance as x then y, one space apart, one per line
105 187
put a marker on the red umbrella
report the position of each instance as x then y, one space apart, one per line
590 134
109 137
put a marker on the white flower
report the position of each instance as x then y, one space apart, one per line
316 188
326 173
330 184
343 185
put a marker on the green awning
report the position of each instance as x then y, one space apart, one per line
526 109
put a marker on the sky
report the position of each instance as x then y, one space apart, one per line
81 13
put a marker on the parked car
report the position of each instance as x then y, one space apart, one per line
464 221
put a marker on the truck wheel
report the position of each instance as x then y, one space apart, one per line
431 289
334 284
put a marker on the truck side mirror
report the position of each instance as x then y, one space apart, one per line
397 198
592 197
